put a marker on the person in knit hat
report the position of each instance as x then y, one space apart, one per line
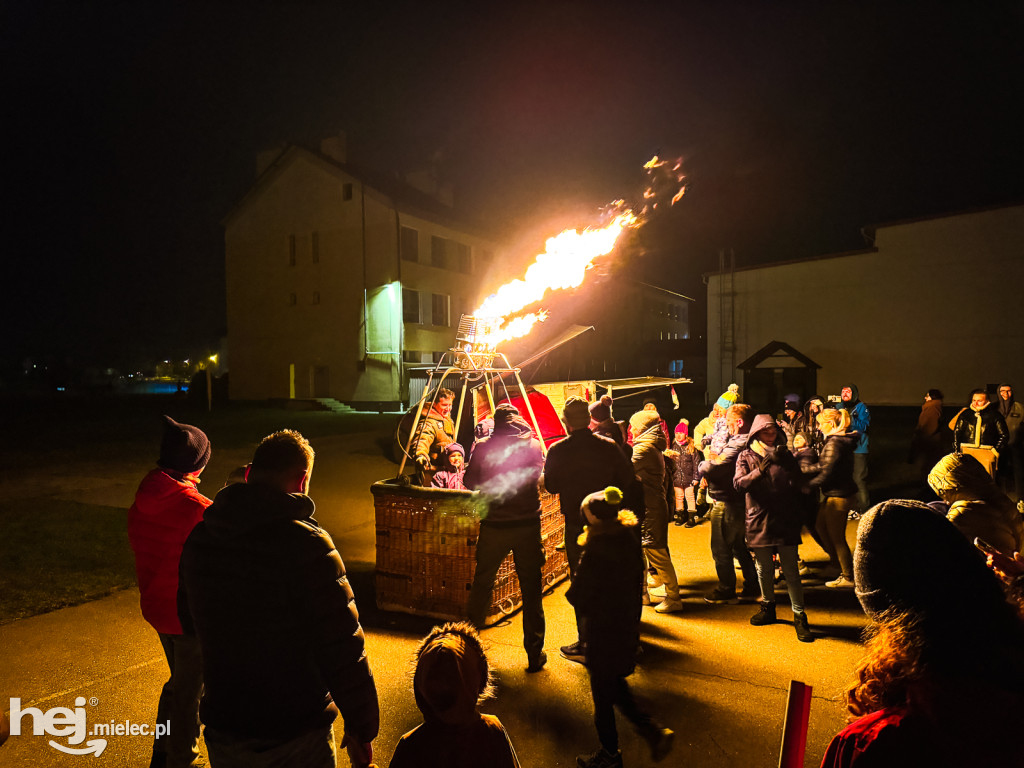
684 458
720 431
606 590
650 404
944 664
451 679
602 423
167 506
649 467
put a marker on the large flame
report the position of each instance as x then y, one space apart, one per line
564 263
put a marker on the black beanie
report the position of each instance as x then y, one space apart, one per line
912 558
184 448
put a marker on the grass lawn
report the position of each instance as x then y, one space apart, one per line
55 553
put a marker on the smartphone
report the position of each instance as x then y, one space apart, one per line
1000 560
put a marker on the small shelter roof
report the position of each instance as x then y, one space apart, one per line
776 349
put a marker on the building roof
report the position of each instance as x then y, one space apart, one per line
775 349
404 197
662 290
869 232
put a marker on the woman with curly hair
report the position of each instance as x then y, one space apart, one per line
943 676
451 678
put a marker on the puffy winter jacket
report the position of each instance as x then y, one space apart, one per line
167 507
986 424
834 471
769 483
265 590
976 505
649 468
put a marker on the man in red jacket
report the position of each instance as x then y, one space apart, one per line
167 507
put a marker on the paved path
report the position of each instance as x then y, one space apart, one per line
719 682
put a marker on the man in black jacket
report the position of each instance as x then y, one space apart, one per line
577 466
264 589
981 431
506 469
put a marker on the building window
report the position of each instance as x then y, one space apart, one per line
438 256
410 246
316 297
464 257
412 356
436 357
410 306
291 250
439 310
316 247
292 300
346 191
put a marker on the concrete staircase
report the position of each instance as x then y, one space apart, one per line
330 404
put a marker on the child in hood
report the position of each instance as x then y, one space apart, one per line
452 463
606 591
450 681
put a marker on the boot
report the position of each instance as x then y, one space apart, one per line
659 740
803 629
600 759
764 615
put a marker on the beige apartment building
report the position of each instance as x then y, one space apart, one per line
338 278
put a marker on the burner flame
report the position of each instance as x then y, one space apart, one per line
565 261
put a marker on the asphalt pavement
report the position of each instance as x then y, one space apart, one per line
719 682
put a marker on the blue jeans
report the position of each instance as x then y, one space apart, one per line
728 530
790 569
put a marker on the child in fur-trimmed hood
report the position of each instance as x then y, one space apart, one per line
606 591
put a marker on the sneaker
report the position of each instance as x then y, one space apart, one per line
691 523
600 759
654 581
750 594
804 569
537 664
803 629
719 596
657 592
677 520
577 652
765 615
670 605
645 599
660 741
842 581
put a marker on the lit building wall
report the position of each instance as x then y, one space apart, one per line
316 286
936 303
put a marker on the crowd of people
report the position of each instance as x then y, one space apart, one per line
248 593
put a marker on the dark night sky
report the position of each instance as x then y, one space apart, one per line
130 130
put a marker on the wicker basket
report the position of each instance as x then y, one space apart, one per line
426 552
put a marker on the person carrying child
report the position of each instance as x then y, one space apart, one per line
451 679
606 591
